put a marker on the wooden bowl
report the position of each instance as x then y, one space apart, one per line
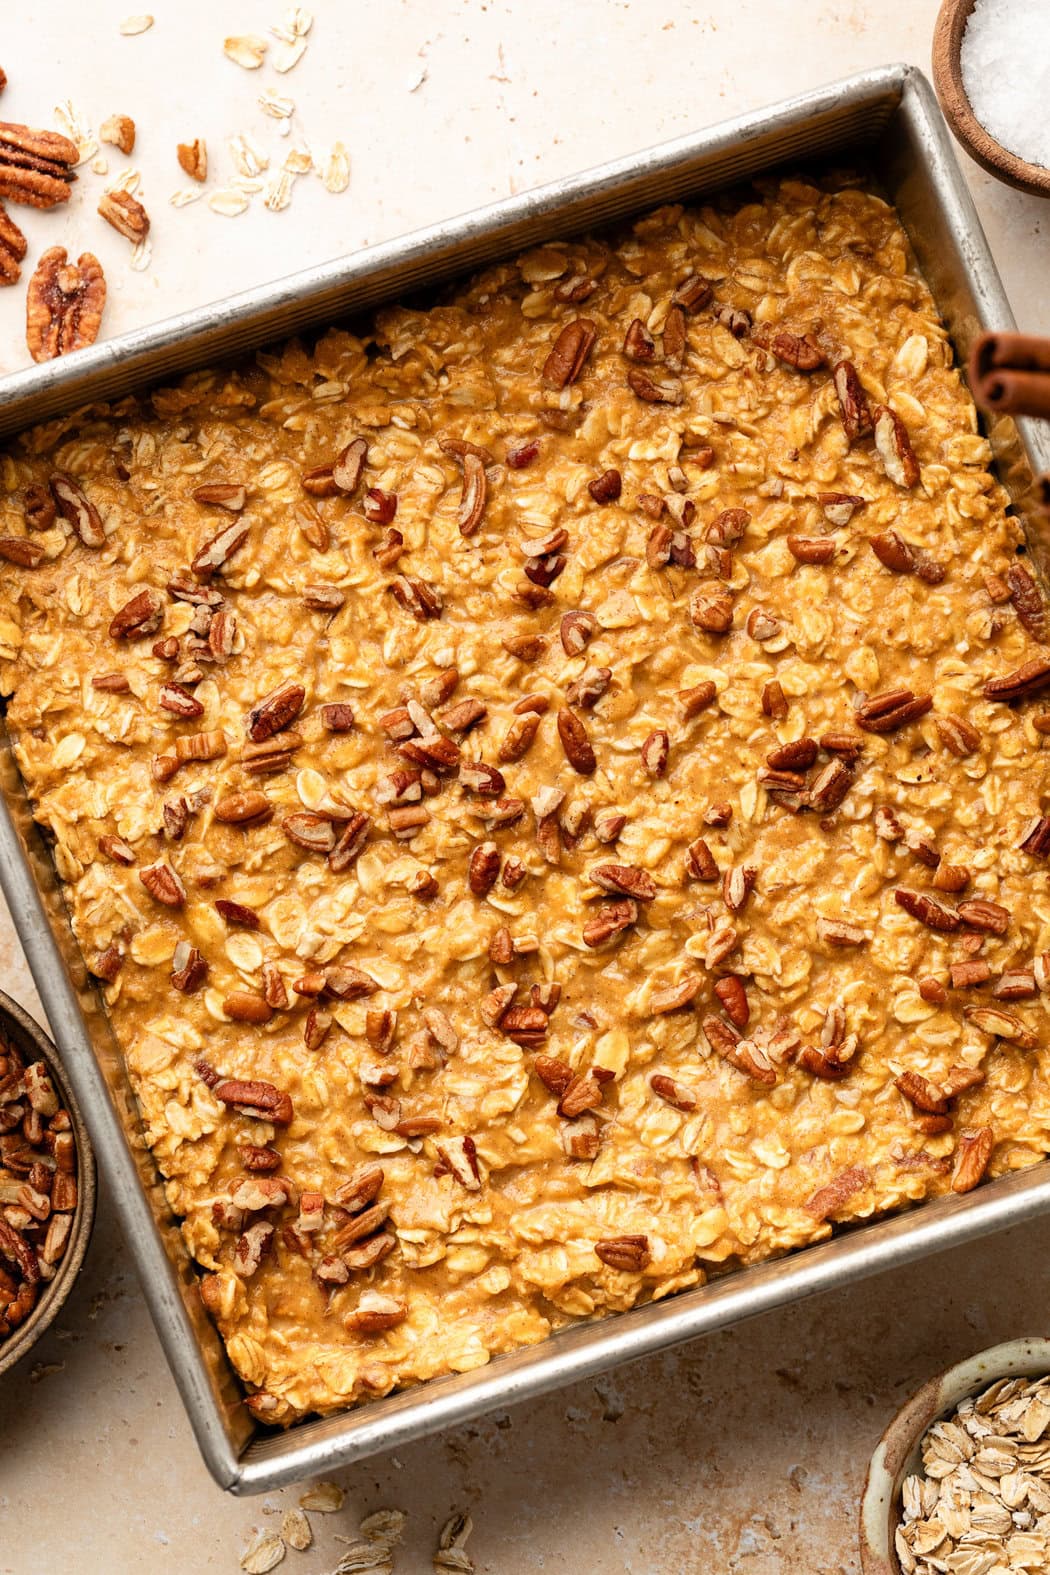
978 142
31 1040
897 1454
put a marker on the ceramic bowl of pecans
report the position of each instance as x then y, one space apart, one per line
47 1184
960 1480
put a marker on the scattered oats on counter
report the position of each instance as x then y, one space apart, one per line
263 1553
133 25
451 1557
247 50
982 1506
324 1497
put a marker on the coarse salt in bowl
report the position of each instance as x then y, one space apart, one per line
991 70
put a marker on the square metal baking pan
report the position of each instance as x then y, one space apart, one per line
889 120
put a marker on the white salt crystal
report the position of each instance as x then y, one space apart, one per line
1006 73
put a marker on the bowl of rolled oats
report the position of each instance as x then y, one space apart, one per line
47 1184
960 1481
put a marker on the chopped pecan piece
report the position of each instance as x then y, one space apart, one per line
1016 984
951 877
927 910
309 831
627 1254
834 932
577 630
895 553
243 808
973 971
571 349
138 617
957 735
163 885
337 718
811 549
734 319
1026 680
738 883
839 507
894 447
693 293
994 1021
1035 839
13 247
853 401
774 701
638 343
972 1154
484 867
588 689
745 1055
75 507
125 213
733 996
798 755
188 968
697 699
920 1092
655 751
216 552
193 158
625 880
1028 600
610 921
64 302
576 744
273 713
977 914
475 495
485 780
423 601
799 350
673 1093
831 1198
38 506
607 487
19 549
700 861
667 391
675 339
711 609
893 709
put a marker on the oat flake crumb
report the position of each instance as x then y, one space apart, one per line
385 1525
324 1497
229 202
336 170
132 25
263 1553
245 49
451 1557
295 1529
141 256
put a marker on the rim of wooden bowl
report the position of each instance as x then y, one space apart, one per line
34 1042
958 112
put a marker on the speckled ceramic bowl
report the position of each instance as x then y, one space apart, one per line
19 1027
897 1453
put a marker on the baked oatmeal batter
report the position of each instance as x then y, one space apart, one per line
527 783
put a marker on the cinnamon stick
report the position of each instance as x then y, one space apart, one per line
1010 373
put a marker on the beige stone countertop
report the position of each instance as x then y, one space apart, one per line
742 1452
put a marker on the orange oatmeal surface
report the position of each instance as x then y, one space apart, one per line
550 789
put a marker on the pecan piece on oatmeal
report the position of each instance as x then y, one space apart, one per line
610 921
423 601
738 882
214 553
138 617
19 549
733 996
125 214
692 293
830 786
1028 679
933 914
798 350
625 880
893 446
76 508
571 349
894 553
957 735
474 496
853 401
1028 600
972 1155
607 487
829 1199
628 1254
188 968
64 302
1035 839
273 713
711 609
893 709
655 751
163 885
839 508
655 391
746 1055
992 1020
990 917
672 1092
811 549
575 742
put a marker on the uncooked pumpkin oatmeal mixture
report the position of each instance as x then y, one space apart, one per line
550 789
